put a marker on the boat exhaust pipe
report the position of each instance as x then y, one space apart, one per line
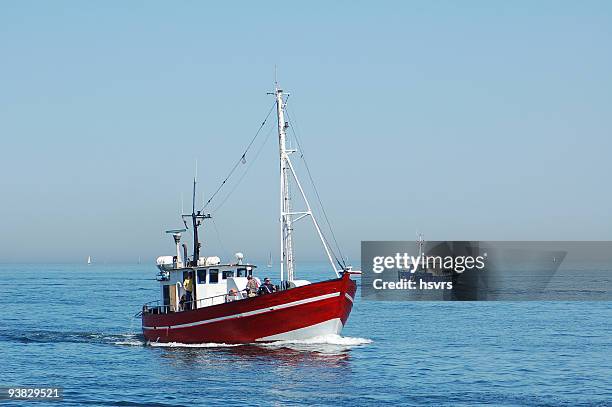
185 253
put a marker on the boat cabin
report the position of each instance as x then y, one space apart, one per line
213 283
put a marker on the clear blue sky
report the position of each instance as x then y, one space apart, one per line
464 120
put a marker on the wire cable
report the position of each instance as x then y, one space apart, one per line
246 171
314 187
242 158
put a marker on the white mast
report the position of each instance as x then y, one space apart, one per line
285 200
286 215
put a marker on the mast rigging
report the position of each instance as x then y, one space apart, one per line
287 219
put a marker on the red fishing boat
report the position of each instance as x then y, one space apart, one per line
205 300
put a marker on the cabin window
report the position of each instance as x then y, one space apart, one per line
213 276
201 276
228 273
241 272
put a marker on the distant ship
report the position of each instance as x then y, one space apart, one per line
88 259
221 308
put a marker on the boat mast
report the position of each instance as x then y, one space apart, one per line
286 240
286 214
196 221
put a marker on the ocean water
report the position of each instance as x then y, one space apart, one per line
72 326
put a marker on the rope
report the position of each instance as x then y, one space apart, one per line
242 158
246 171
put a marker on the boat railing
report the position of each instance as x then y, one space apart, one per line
155 307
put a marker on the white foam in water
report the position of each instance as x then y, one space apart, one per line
129 343
173 344
191 345
130 340
314 343
331 339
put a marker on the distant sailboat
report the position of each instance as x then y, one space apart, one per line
270 261
88 259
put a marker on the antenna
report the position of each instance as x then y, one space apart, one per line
195 176
193 196
275 81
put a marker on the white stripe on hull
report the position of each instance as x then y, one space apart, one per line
333 326
249 313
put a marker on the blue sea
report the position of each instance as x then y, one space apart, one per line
73 326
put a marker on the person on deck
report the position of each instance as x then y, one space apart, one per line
232 295
267 287
252 286
188 286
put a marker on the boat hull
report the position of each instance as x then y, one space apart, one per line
299 313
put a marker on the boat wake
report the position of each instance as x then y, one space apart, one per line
192 345
325 343
322 343
331 339
131 340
